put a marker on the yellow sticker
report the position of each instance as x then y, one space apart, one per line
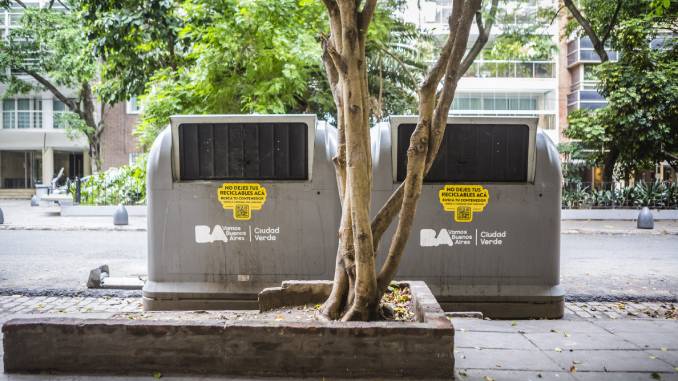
242 198
464 200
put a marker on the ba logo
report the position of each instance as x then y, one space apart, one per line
203 234
429 238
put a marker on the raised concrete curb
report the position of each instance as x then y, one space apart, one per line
421 349
100 210
294 293
615 214
73 228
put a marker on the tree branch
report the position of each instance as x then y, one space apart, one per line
555 15
613 21
483 36
436 72
64 5
54 90
335 58
399 61
335 23
586 25
20 3
365 17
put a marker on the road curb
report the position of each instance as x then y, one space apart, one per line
656 232
619 232
72 228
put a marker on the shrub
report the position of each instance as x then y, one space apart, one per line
657 194
123 185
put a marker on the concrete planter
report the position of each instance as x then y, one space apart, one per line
421 349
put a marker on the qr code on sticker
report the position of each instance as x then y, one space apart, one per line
463 214
242 212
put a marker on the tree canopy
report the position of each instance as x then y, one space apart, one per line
641 88
47 51
239 56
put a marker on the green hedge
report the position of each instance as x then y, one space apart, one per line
660 195
124 185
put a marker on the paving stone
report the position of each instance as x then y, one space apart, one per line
609 360
508 359
488 340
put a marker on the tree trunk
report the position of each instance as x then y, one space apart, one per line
608 166
86 110
357 287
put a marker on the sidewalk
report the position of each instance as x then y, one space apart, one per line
617 227
20 215
594 341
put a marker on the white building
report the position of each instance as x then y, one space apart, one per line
500 87
33 146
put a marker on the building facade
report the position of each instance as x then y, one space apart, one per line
505 87
34 144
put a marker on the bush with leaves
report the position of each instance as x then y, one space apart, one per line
124 185
656 194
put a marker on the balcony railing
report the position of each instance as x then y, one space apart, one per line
511 69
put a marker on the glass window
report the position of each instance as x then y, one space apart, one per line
133 106
589 74
8 113
23 113
59 109
37 113
501 103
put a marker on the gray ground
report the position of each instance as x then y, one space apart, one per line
593 266
41 259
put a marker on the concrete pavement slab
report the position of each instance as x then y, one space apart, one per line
610 361
492 340
637 326
511 375
651 340
625 376
578 340
669 356
527 326
506 359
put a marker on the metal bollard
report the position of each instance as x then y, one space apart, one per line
645 219
120 215
77 190
35 201
2 217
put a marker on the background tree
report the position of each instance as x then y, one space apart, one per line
358 285
598 20
637 126
239 56
47 52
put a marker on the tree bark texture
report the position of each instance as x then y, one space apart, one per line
358 286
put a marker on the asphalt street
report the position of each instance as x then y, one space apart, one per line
604 267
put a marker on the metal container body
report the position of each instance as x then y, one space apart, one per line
506 260
200 256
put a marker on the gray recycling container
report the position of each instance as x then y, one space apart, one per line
237 203
486 235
